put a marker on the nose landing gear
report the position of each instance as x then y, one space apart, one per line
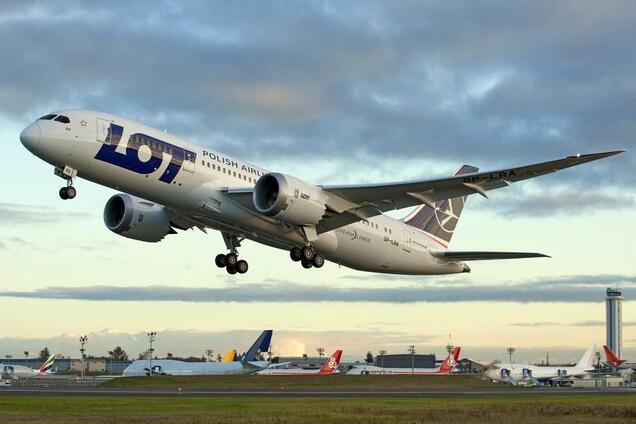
67 173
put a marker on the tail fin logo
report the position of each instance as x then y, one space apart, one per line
441 221
331 364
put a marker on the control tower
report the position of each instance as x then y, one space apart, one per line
614 320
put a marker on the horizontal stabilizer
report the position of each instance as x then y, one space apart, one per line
484 256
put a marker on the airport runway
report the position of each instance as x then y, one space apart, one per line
319 393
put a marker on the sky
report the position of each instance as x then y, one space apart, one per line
332 92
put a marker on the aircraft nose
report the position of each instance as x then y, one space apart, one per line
30 136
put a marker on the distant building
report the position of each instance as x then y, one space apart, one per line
614 320
304 362
468 366
404 360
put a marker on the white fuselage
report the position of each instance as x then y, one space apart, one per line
373 370
520 372
180 368
289 371
19 371
382 244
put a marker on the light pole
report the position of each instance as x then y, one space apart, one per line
151 338
321 351
511 351
26 357
83 340
412 352
382 353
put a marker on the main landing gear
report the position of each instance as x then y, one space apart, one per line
231 263
67 173
307 257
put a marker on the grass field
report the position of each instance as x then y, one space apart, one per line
131 409
282 383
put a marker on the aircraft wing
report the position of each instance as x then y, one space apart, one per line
483 256
347 204
400 195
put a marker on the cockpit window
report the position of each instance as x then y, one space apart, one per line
63 119
48 117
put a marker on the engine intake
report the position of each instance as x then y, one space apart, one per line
136 218
289 199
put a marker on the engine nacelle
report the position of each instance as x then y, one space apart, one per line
289 199
136 218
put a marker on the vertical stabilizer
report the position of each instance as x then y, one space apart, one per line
440 222
259 346
586 360
47 364
331 365
451 361
612 358
230 356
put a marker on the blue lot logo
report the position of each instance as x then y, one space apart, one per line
131 161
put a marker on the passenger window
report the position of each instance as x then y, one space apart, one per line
234 173
209 166
224 170
47 117
213 166
202 163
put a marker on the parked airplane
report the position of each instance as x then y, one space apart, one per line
538 375
328 367
249 363
447 366
612 358
20 371
171 185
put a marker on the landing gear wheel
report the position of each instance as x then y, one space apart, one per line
220 260
64 193
306 264
307 253
318 261
231 270
296 254
231 259
241 266
71 192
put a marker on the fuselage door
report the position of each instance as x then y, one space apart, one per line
189 161
102 130
406 246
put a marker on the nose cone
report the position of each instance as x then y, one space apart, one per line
30 136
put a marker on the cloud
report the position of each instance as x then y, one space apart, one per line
18 214
587 323
560 289
369 80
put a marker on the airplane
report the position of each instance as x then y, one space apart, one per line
169 184
330 366
535 375
612 358
447 367
15 372
250 362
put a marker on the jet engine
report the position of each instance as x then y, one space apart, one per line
136 218
289 199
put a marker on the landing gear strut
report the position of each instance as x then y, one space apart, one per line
67 173
307 257
230 261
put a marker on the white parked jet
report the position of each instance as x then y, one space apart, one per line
538 375
248 364
445 368
170 184
328 367
19 371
